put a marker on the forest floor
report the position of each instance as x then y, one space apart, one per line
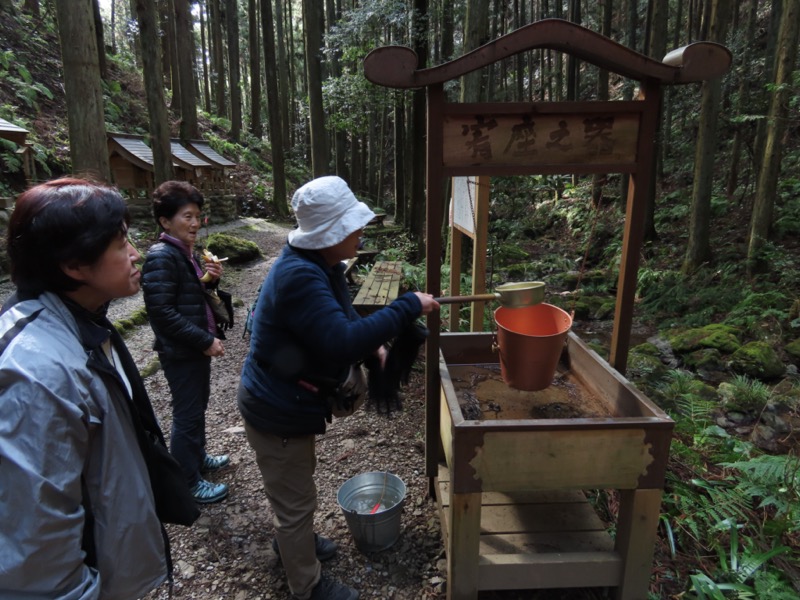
227 553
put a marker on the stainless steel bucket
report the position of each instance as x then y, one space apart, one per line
372 504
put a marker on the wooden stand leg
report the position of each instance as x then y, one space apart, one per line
463 546
637 527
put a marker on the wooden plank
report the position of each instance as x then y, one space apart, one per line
538 518
637 529
462 546
562 542
528 571
381 286
589 459
524 497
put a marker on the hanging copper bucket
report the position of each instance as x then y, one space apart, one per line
530 340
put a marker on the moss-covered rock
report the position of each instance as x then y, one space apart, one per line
590 307
644 365
793 350
605 310
236 249
592 278
704 359
720 337
136 318
758 360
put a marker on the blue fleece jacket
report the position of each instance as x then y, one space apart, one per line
305 328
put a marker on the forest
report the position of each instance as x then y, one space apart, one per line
279 88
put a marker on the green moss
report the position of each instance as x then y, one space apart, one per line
646 349
136 318
150 368
720 337
236 249
757 360
645 369
793 349
704 359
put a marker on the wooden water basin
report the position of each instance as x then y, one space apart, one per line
511 483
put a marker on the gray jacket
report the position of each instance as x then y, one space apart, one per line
63 420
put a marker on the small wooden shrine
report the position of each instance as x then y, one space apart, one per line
18 135
131 162
190 167
510 491
221 166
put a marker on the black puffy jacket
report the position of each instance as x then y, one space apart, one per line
176 303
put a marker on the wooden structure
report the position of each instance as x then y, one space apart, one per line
381 286
470 463
190 167
18 135
131 164
221 166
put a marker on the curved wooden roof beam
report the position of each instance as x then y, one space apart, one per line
396 66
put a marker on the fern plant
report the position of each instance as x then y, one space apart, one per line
772 481
737 567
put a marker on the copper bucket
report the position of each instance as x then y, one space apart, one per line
530 340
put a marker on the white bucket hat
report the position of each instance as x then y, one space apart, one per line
327 212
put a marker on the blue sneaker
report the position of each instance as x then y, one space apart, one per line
213 463
205 492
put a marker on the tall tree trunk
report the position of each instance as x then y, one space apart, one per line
98 31
742 102
631 27
234 72
419 26
761 220
656 49
113 26
203 13
286 77
573 64
169 60
400 200
313 24
255 69
761 99
185 46
88 147
599 180
476 33
154 90
699 248
339 136
218 59
273 109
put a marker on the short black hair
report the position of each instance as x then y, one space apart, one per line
171 196
60 222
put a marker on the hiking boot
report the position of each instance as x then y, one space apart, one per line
213 463
324 548
330 589
205 492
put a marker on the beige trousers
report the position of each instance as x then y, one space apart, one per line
287 470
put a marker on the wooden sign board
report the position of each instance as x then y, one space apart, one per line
534 139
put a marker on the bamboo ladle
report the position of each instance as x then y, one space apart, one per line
510 295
